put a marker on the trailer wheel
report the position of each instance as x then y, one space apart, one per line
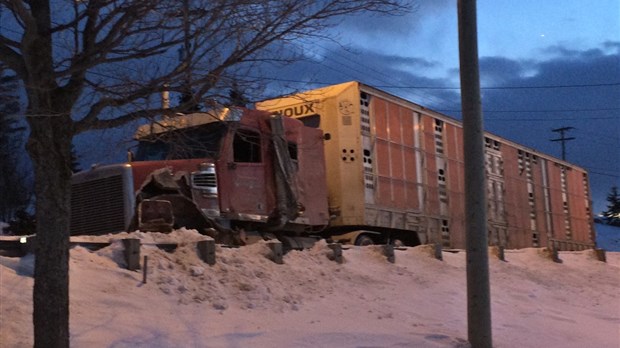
364 239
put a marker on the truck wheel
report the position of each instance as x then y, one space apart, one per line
364 240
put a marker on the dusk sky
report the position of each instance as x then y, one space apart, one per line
544 65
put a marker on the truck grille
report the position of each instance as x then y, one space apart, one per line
97 206
204 180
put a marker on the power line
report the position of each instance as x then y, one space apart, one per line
512 87
614 140
603 174
391 86
387 78
541 111
603 169
366 73
456 88
551 119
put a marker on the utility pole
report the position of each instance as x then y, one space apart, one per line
563 139
478 288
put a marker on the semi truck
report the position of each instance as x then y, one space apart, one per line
348 162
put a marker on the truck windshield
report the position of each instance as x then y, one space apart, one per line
196 142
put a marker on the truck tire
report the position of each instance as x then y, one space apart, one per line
364 239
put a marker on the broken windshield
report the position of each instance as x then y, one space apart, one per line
196 142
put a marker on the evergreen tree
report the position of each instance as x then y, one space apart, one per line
613 208
14 188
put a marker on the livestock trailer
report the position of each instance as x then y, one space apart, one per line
395 165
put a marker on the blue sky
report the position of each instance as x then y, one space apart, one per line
511 29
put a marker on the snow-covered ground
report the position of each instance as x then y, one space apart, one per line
246 300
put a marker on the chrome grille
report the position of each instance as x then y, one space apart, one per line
97 206
204 180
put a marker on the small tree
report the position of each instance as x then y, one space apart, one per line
613 207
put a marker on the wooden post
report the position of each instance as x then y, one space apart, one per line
145 269
438 251
206 250
132 253
555 255
600 254
276 251
388 250
498 251
501 253
336 252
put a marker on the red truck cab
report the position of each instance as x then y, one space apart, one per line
233 170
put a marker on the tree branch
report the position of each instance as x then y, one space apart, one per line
11 58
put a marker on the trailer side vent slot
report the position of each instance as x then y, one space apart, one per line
445 233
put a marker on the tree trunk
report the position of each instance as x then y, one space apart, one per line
49 146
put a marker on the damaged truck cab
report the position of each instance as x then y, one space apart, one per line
230 174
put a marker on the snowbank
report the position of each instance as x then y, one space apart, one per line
246 300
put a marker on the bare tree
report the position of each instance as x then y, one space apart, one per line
98 64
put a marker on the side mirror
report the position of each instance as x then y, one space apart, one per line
130 156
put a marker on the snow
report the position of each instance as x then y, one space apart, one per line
246 300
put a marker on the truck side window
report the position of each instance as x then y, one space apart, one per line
292 151
246 146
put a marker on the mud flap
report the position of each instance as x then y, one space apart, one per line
155 215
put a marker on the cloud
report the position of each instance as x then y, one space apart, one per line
397 74
496 71
614 45
399 25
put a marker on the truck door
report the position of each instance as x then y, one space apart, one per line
242 177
